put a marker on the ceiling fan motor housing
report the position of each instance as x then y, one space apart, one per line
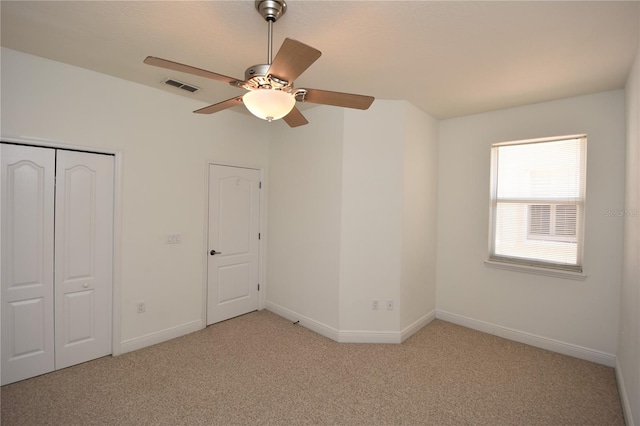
257 77
271 10
255 71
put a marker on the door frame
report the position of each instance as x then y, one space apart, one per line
262 264
117 220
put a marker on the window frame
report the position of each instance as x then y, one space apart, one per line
530 264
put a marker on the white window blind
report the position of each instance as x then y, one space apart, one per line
537 202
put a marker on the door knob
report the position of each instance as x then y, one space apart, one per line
85 285
213 252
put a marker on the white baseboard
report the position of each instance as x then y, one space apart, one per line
159 336
360 336
624 397
311 324
351 336
364 336
530 339
417 325
347 336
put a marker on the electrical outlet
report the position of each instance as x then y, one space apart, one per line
142 308
389 305
375 305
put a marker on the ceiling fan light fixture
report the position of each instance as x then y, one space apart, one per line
269 104
271 93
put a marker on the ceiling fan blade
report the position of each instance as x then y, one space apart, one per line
229 103
292 59
295 118
175 66
340 99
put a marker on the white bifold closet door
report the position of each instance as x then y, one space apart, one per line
83 256
57 244
27 261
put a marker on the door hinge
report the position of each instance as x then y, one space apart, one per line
259 236
258 286
259 185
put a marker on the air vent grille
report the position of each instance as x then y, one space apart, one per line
181 85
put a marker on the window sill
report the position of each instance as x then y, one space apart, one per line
556 273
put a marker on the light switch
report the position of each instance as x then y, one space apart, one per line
174 238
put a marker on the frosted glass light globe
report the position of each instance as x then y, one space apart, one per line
269 104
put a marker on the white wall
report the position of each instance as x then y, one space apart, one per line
304 190
371 240
577 313
352 218
165 149
628 354
420 214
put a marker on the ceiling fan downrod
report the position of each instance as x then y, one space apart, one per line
271 10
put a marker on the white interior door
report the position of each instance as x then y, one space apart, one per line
27 198
83 256
233 265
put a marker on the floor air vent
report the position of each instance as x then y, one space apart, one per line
181 85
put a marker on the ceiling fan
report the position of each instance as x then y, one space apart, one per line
271 94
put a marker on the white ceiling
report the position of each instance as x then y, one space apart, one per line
449 58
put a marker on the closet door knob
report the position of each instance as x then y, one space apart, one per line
213 252
85 285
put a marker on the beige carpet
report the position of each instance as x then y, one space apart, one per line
261 369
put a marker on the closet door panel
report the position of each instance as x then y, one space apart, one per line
83 281
27 199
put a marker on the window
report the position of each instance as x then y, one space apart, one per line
537 202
